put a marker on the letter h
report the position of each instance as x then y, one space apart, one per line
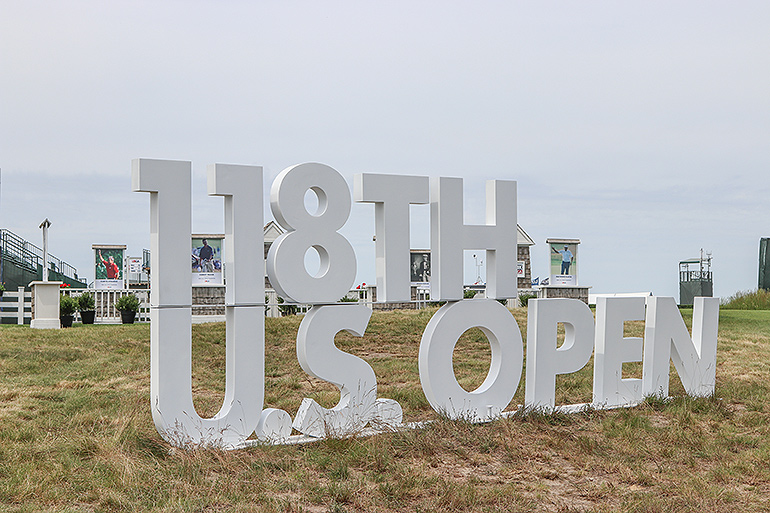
450 236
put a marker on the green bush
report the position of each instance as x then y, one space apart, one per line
86 302
748 300
67 305
127 303
525 297
286 309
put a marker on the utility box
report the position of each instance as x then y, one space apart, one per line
764 264
695 279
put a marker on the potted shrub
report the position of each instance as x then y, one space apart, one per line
286 309
128 306
67 307
87 307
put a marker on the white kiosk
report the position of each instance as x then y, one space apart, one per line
45 294
45 305
563 280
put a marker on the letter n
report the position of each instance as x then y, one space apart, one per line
666 339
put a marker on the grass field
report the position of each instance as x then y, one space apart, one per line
76 433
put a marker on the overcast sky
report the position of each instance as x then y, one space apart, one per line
640 128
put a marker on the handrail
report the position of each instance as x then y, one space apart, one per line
685 276
26 253
105 300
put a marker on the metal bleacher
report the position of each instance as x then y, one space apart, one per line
22 262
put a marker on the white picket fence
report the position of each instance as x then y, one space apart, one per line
105 300
274 307
17 305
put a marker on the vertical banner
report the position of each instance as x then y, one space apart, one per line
764 263
207 259
108 266
419 274
134 265
564 262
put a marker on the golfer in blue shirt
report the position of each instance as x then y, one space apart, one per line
566 259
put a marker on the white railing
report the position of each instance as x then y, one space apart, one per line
16 304
105 300
275 308
106 313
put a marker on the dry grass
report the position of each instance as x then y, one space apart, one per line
76 433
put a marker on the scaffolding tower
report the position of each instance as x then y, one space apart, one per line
695 278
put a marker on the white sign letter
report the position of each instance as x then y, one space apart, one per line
391 195
286 258
169 183
544 359
666 337
319 357
449 236
612 350
437 376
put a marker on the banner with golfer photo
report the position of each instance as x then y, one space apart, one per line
420 268
108 266
564 265
206 260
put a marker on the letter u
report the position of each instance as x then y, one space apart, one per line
169 185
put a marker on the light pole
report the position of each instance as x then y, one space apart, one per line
479 263
44 226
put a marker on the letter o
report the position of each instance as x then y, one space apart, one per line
437 376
